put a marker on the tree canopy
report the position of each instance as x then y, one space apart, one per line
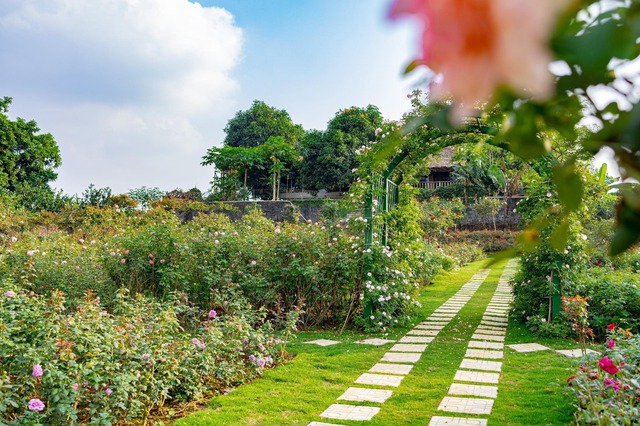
254 126
26 157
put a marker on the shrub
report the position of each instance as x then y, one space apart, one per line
488 241
100 367
604 389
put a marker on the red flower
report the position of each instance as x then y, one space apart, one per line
607 365
611 327
570 379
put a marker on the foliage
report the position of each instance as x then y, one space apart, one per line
489 207
487 241
576 309
253 127
145 196
440 215
604 389
280 155
88 365
329 157
93 196
26 157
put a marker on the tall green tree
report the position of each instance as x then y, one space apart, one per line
254 126
280 156
330 156
26 157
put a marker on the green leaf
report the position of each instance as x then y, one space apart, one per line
569 186
413 65
559 236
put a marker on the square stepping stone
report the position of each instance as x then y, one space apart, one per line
485 345
403 347
529 347
322 342
430 326
323 424
484 330
454 404
482 336
574 353
400 357
379 380
349 412
492 327
474 364
456 421
476 377
485 354
473 390
423 332
375 341
416 339
366 395
400 369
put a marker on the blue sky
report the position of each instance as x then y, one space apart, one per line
135 91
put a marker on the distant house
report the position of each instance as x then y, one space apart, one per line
441 166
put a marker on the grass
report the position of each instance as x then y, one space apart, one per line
530 389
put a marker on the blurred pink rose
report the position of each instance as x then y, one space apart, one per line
478 45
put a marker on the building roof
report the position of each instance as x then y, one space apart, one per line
441 161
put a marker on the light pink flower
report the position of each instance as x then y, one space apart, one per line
277 231
478 45
36 405
75 386
9 294
123 260
254 263
108 391
198 343
212 314
37 371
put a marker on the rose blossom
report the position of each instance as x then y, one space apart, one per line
478 45
36 405
611 343
37 371
9 294
607 365
212 314
198 343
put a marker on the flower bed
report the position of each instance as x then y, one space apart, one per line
606 388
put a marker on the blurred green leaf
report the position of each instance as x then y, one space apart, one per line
559 236
569 186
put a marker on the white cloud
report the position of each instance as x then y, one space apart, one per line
121 83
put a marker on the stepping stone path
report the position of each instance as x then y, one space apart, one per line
398 362
472 393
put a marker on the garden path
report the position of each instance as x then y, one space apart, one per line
474 387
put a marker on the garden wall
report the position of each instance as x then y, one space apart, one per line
504 220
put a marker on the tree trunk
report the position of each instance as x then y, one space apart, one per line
273 187
245 177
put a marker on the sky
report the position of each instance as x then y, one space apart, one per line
136 91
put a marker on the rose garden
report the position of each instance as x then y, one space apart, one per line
388 308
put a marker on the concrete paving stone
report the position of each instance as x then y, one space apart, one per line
423 332
482 336
323 424
485 345
483 330
322 342
454 404
575 353
430 326
529 347
375 342
439 315
473 390
404 347
379 380
416 339
476 377
499 320
366 395
494 323
400 357
400 369
492 327
447 310
456 421
349 412
485 354
495 314
437 321
475 364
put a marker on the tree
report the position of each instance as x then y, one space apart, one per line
26 157
236 160
254 126
329 157
281 157
489 207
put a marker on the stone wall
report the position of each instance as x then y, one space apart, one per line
504 220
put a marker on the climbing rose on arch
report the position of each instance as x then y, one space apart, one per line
478 45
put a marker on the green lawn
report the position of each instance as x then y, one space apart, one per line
530 389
